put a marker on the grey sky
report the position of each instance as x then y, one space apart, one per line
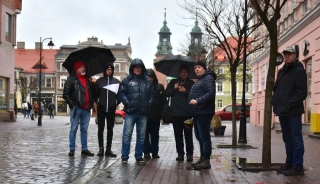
113 21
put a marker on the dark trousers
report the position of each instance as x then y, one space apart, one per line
291 127
50 113
181 131
151 140
202 132
102 117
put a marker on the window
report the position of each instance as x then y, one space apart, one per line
229 109
48 82
62 68
247 87
8 28
254 81
62 81
220 70
117 67
219 103
219 86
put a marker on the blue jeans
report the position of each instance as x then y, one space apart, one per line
151 141
202 132
82 117
130 121
291 127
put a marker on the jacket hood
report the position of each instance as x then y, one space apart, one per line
151 73
137 62
108 65
214 75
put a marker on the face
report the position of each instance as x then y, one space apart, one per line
183 74
289 57
81 70
109 71
199 70
137 70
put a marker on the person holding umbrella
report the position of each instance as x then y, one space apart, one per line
78 95
178 90
136 94
201 100
107 101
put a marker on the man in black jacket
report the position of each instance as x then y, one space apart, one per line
107 100
77 93
178 90
151 141
290 90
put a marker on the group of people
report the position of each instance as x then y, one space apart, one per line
34 110
143 98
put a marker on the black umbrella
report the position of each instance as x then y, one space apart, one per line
170 65
94 58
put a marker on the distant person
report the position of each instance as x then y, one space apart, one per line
15 108
136 94
78 94
107 101
289 92
151 141
24 107
29 109
202 107
178 90
51 108
35 109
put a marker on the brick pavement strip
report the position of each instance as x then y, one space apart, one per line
32 154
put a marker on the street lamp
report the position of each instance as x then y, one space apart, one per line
50 44
243 118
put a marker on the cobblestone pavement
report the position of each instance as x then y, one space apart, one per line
33 154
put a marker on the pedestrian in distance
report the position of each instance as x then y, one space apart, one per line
178 90
136 94
202 106
29 109
151 141
107 100
51 108
35 109
24 107
15 108
78 93
289 92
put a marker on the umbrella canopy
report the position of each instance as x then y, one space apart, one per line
94 59
170 65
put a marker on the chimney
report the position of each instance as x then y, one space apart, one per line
37 45
20 45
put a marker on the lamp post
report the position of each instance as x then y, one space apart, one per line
50 44
243 118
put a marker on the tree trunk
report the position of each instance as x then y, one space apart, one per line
234 107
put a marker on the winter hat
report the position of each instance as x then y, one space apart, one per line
184 67
202 64
77 65
109 65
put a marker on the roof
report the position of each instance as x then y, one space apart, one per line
27 58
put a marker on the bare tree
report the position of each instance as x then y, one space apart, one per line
224 23
23 86
268 12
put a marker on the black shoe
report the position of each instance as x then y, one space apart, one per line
124 161
155 155
294 171
71 153
146 155
100 153
193 164
109 153
87 153
180 157
204 164
140 161
284 168
189 158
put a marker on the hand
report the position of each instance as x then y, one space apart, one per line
182 89
193 102
176 85
92 79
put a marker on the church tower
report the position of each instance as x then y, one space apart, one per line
164 48
196 48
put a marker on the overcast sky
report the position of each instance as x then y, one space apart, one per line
113 21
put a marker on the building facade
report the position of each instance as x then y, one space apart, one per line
9 9
298 27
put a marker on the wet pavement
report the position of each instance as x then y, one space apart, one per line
33 154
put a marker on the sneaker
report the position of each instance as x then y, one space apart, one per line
180 157
140 161
204 164
86 153
193 164
155 155
71 153
283 168
189 158
124 161
146 155
294 171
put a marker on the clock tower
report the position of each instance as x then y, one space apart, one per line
164 48
196 48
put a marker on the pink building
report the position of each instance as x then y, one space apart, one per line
299 26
